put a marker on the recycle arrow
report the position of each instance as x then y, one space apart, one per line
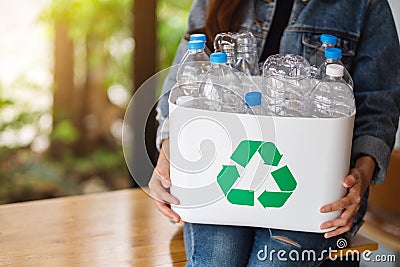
242 155
269 153
286 183
226 179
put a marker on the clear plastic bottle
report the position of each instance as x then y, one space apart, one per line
200 37
246 54
193 67
189 102
286 84
318 56
226 42
333 56
332 97
222 87
254 104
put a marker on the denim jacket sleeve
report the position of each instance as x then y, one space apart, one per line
162 106
376 74
196 21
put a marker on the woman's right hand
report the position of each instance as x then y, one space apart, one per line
160 183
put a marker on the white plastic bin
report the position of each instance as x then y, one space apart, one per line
264 171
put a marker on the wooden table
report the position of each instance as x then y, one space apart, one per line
120 228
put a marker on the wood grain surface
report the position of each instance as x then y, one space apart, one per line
120 228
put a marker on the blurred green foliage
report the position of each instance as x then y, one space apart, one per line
100 18
23 175
103 28
26 174
172 23
4 103
107 22
65 132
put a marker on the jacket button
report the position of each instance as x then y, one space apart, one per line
294 20
304 1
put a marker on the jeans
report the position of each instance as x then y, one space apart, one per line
235 246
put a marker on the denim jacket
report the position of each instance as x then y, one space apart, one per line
367 36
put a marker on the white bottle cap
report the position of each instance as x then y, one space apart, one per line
334 70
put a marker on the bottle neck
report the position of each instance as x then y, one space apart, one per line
334 60
334 78
326 45
196 51
218 65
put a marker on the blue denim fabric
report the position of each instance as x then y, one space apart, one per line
221 245
367 35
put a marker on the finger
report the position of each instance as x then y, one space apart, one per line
168 198
338 231
351 180
163 175
341 204
345 218
155 183
159 193
168 212
165 183
334 223
352 200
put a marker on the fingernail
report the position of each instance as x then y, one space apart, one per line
181 222
326 235
175 202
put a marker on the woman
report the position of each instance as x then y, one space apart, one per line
367 36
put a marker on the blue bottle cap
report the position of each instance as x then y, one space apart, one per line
253 99
198 37
195 45
328 38
218 57
334 53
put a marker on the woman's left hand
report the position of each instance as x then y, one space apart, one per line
356 183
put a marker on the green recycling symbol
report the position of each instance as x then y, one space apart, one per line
242 155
